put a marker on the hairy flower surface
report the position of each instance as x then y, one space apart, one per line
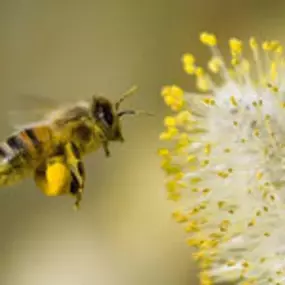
225 162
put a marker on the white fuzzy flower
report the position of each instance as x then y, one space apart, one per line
225 163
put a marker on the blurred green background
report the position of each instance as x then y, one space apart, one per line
69 50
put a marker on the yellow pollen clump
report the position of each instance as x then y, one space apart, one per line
57 176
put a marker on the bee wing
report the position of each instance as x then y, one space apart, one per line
30 108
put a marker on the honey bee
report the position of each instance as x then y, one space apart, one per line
51 150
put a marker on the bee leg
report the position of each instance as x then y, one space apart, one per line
106 148
76 165
53 177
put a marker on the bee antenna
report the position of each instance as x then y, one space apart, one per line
133 112
130 92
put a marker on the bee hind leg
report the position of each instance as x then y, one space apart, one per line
54 177
76 165
106 148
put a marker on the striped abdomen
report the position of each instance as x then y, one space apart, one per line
23 152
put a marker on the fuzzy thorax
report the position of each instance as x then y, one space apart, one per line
224 162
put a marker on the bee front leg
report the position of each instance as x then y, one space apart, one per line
76 165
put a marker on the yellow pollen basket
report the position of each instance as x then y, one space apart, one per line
58 179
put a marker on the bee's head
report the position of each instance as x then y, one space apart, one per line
108 116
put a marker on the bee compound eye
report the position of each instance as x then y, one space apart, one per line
105 113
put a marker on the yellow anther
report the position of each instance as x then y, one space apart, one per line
223 174
208 39
167 166
215 64
235 61
189 69
235 46
245 264
173 91
164 136
205 162
207 149
173 131
206 190
256 132
199 72
233 101
195 180
262 259
265 208
171 186
179 175
266 46
174 196
259 175
189 63
224 225
274 44
169 121
193 242
252 223
163 152
209 101
231 263
179 217
191 158
279 50
202 83
205 279
183 140
174 103
192 227
188 59
183 117
253 43
221 204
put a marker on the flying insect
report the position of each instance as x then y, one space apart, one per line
51 150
